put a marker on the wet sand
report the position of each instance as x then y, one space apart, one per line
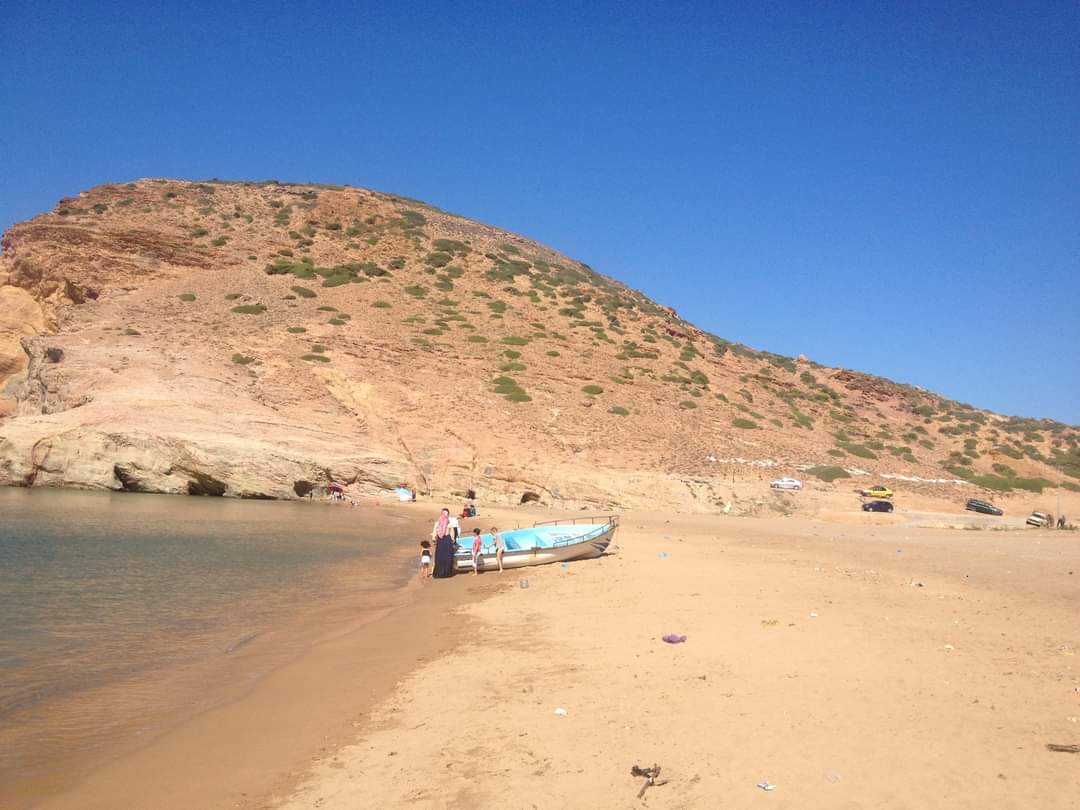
264 740
851 665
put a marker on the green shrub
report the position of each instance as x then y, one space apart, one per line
381 304
1031 484
317 358
1070 486
303 292
698 378
836 452
450 246
857 450
433 330
552 353
510 354
476 339
198 233
592 390
745 424
336 321
437 259
777 422
828 474
518 396
296 330
231 296
250 309
242 359
515 341
219 242
619 410
416 292
186 296
688 405
318 348
512 367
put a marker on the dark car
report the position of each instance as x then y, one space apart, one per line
987 508
877 506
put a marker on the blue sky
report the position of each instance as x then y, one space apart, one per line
890 188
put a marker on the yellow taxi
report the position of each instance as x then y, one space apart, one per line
877 492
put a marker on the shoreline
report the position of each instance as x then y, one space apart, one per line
153 759
260 741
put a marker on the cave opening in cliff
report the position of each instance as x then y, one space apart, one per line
530 497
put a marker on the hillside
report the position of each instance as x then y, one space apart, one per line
261 339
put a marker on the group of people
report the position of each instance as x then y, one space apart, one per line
445 535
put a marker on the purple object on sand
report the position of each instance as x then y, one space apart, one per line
671 638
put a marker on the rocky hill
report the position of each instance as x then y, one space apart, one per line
262 340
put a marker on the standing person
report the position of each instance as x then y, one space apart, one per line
477 549
500 546
444 546
455 525
425 560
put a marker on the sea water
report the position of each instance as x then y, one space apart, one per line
123 613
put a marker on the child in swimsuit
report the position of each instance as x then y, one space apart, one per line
477 548
425 560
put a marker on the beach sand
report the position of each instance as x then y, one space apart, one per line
851 663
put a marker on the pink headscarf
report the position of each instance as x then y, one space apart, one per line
442 528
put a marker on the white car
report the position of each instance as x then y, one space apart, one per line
786 483
1039 520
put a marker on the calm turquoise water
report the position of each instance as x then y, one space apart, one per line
120 613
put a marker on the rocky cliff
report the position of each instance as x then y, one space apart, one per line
262 340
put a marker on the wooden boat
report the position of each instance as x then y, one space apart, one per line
545 542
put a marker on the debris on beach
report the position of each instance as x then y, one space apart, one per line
672 638
766 785
561 712
1063 749
650 775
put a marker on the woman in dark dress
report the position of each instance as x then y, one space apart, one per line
444 546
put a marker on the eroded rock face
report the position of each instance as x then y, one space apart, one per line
20 316
261 341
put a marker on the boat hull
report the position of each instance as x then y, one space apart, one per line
523 558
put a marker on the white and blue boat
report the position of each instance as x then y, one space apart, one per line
553 541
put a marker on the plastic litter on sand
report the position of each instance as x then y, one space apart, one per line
524 583
663 555
561 712
672 638
766 785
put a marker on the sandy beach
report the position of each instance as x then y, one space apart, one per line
850 660
860 664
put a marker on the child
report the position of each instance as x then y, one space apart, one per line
425 559
477 548
500 546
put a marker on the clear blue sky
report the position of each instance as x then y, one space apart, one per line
894 189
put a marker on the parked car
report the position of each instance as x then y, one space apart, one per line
987 508
1038 519
786 483
877 492
877 506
